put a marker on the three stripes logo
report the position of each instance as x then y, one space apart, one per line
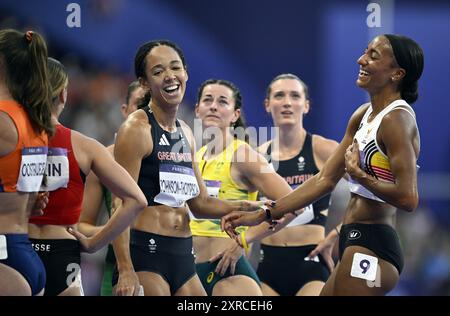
163 141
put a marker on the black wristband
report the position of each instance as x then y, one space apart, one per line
337 231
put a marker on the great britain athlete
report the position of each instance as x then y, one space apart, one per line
158 150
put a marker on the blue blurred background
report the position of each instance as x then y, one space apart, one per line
249 42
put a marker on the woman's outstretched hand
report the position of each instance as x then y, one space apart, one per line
42 200
87 243
245 218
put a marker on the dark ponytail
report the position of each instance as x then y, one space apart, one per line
25 56
144 101
410 92
409 56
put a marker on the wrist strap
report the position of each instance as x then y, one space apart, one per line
337 231
268 213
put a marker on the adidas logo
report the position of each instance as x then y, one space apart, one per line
163 141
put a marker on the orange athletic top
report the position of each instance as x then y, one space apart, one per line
25 161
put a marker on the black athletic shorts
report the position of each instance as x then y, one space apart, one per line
380 238
170 257
61 258
288 269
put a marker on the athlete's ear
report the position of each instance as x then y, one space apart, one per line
186 71
266 105
398 74
237 115
196 110
143 83
307 107
63 96
123 109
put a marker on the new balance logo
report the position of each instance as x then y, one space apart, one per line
163 141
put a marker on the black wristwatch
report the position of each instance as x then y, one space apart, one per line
268 213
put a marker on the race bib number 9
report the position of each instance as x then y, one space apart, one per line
57 169
32 169
177 185
364 266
